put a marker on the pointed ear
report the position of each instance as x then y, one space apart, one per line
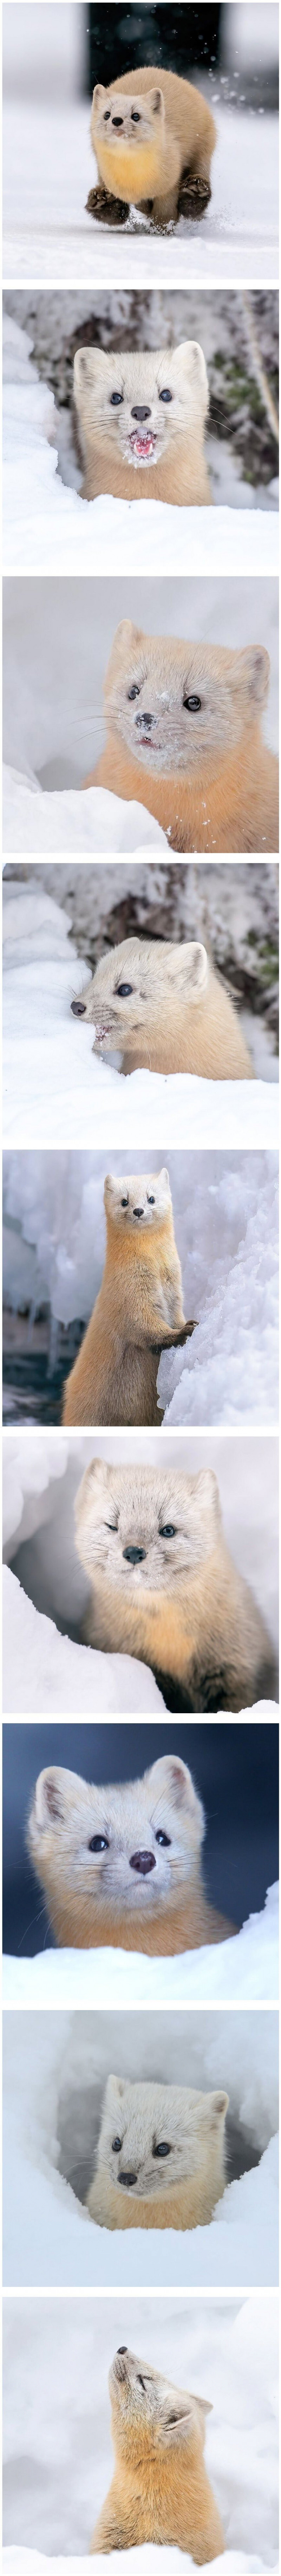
87 366
98 95
164 1175
188 968
126 634
207 1483
219 2105
204 2403
116 2084
54 1795
170 1779
99 1472
191 361
253 674
156 102
111 1186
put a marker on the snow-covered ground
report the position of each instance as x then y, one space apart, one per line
49 167
226 1226
55 1090
57 2446
46 1592
241 1971
48 528
57 640
54 2072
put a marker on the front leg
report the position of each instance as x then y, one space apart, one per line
113 2530
194 195
170 1339
106 209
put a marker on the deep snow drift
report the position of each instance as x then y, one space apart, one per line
48 528
244 1970
57 2447
55 2071
225 1212
57 1092
57 640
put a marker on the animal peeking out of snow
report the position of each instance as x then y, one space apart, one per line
141 416
160 2490
184 738
138 1311
161 2156
121 1866
163 1586
153 136
165 1009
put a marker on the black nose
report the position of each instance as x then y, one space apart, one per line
117 120
145 719
122 2347
79 1009
138 1211
134 1554
143 1861
126 2178
140 411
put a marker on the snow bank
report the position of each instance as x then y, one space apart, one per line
57 2448
48 528
54 2075
56 1092
73 820
49 168
44 1671
147 2562
244 1970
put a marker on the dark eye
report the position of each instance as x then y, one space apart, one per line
172 2419
135 121
151 1202
106 115
124 1202
163 2149
123 989
168 1530
98 1843
165 396
113 1525
163 1838
134 693
116 398
116 2144
141 2382
193 705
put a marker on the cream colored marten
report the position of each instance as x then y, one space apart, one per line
164 1588
138 1311
184 738
160 2156
141 417
160 2490
153 137
167 1009
122 1866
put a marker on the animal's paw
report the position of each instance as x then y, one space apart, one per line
194 196
106 210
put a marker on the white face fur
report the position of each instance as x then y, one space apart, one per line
143 2400
144 1529
135 983
154 2136
92 1836
118 118
138 1203
169 386
181 707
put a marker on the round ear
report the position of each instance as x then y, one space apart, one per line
207 1488
170 1779
126 633
156 102
204 2403
253 673
98 94
219 2105
192 361
164 1175
188 968
54 1794
87 365
116 2084
110 1185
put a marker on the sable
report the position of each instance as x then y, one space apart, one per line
138 1311
184 739
160 2490
153 136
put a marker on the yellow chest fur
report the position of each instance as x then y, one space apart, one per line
128 173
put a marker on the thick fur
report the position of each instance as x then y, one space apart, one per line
138 1311
168 132
204 770
178 2188
160 2490
97 1897
182 1608
176 1016
160 457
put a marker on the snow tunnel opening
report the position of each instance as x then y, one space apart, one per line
78 2130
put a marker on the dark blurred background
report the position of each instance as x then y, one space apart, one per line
234 1767
181 39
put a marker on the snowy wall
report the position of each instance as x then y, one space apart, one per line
58 2455
55 2070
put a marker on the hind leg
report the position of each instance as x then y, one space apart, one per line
106 209
160 211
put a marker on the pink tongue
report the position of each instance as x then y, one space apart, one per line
143 446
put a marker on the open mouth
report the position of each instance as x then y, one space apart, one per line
103 1033
142 444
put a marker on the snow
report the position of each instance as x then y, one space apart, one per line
58 2454
49 167
54 2075
55 1091
48 528
225 1211
241 1971
41 1474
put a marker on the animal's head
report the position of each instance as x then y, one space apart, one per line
149 2415
138 1204
181 707
118 1849
119 119
136 985
156 2136
141 400
145 1529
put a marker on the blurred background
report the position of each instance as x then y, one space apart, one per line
235 1769
234 46
234 909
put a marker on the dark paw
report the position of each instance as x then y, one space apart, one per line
106 210
194 196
